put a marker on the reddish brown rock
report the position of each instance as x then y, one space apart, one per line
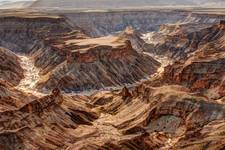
203 71
125 93
179 41
10 68
97 63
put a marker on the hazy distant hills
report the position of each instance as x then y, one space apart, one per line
114 4
106 4
7 4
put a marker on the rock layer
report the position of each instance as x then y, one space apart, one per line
10 68
95 63
204 69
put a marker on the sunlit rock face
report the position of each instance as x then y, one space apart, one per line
135 38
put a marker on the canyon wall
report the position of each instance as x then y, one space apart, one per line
20 34
10 68
105 23
71 60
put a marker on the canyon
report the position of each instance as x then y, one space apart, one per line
112 80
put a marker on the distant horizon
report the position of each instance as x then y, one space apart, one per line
109 4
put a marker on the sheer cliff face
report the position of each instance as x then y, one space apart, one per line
104 23
10 68
21 34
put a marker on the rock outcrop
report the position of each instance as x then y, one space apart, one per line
135 38
10 69
180 41
203 71
28 122
95 63
71 60
170 113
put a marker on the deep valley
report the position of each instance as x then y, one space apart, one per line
112 80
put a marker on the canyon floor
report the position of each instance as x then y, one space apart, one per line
112 80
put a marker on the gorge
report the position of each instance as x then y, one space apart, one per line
112 80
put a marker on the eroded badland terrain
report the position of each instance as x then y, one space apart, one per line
120 80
